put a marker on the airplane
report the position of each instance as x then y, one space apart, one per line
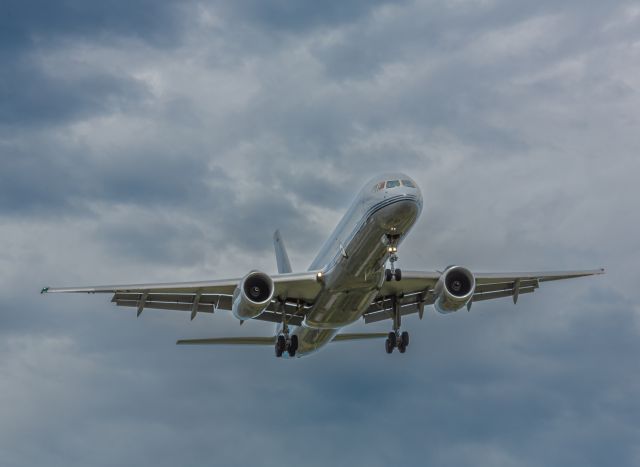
346 282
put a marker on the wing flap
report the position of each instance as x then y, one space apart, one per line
510 285
381 315
201 307
504 293
206 304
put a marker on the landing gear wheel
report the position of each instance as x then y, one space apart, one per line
404 339
392 339
398 274
281 343
293 346
401 347
388 346
388 275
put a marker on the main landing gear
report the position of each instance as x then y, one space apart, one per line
285 342
392 248
396 339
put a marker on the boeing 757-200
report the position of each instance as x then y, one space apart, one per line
346 282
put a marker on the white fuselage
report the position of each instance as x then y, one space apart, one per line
353 258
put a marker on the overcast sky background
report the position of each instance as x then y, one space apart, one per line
163 141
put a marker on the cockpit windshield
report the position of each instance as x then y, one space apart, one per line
393 184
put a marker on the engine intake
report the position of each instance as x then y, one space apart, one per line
454 289
253 295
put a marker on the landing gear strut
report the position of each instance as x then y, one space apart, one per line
396 339
390 274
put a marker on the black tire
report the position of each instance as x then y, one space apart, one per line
292 351
404 339
388 275
387 346
392 339
280 345
294 343
398 274
402 348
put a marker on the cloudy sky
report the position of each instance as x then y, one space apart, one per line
164 141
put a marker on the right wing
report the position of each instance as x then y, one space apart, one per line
416 289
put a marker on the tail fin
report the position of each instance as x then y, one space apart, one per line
284 266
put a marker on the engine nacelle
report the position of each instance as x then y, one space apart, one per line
454 289
253 295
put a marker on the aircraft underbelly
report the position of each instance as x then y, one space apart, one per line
354 280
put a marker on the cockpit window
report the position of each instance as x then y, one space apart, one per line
379 186
408 183
393 183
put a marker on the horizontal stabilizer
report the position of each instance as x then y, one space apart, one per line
272 340
229 341
358 336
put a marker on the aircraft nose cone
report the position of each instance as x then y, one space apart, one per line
400 215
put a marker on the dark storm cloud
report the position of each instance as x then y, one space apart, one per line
30 97
27 23
299 16
34 182
30 30
148 142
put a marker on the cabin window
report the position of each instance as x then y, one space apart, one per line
408 183
393 183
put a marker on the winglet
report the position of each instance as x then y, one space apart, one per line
44 290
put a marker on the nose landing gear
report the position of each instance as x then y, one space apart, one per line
392 248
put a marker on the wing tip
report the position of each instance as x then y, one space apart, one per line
44 290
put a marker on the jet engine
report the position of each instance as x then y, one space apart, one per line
253 295
454 289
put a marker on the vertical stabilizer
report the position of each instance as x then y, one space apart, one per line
284 266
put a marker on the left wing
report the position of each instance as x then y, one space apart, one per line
416 289
297 290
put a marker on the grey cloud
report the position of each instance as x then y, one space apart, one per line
26 23
292 16
33 181
30 97
30 30
272 116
